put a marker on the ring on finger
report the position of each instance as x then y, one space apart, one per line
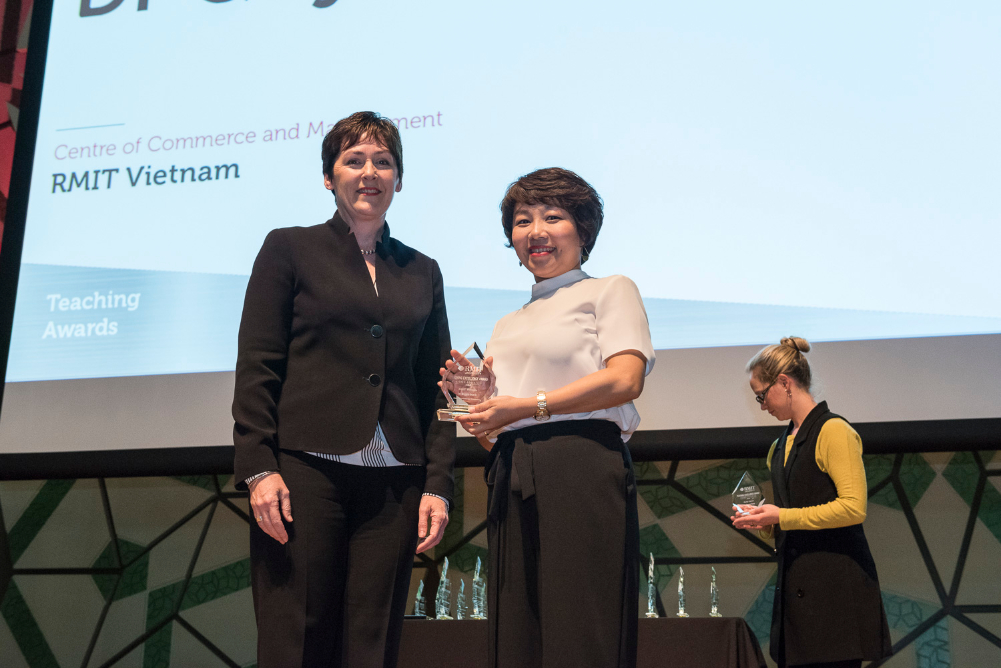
260 517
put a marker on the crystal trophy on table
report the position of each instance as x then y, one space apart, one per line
681 593
443 600
746 493
419 603
469 383
651 591
714 597
479 594
460 601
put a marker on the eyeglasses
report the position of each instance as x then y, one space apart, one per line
760 398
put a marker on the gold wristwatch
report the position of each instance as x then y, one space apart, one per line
542 413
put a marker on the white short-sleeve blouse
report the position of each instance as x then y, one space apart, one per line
572 325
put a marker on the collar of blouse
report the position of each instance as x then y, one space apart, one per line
550 285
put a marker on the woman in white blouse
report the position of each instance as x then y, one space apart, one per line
562 523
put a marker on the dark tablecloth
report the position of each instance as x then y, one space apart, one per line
670 642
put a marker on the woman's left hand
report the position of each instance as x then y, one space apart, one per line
756 517
495 413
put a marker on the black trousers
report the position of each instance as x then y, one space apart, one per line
334 595
564 545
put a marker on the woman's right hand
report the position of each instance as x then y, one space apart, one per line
756 517
452 365
269 501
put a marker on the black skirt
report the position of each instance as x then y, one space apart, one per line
564 547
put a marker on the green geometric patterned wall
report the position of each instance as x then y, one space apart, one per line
154 572
147 572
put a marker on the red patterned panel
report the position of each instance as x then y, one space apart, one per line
13 42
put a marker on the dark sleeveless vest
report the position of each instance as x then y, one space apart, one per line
827 602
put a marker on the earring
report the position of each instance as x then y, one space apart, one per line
520 264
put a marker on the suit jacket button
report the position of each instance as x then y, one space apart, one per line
799 593
376 331
374 380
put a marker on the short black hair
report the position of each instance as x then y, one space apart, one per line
560 187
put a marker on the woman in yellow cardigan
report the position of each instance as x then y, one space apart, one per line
827 612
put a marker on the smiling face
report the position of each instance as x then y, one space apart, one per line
364 179
545 239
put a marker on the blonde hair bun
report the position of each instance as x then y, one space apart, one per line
796 343
785 357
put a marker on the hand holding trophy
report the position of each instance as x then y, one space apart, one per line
746 495
470 380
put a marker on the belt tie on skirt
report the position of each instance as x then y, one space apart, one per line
512 469
508 470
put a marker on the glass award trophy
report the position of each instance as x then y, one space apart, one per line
460 601
681 593
714 597
419 603
469 384
746 493
443 601
651 591
479 594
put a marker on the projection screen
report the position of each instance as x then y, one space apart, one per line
767 170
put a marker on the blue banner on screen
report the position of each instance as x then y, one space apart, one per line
75 322
767 169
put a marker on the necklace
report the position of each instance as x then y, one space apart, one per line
367 252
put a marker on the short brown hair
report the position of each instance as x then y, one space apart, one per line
362 124
788 357
557 187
